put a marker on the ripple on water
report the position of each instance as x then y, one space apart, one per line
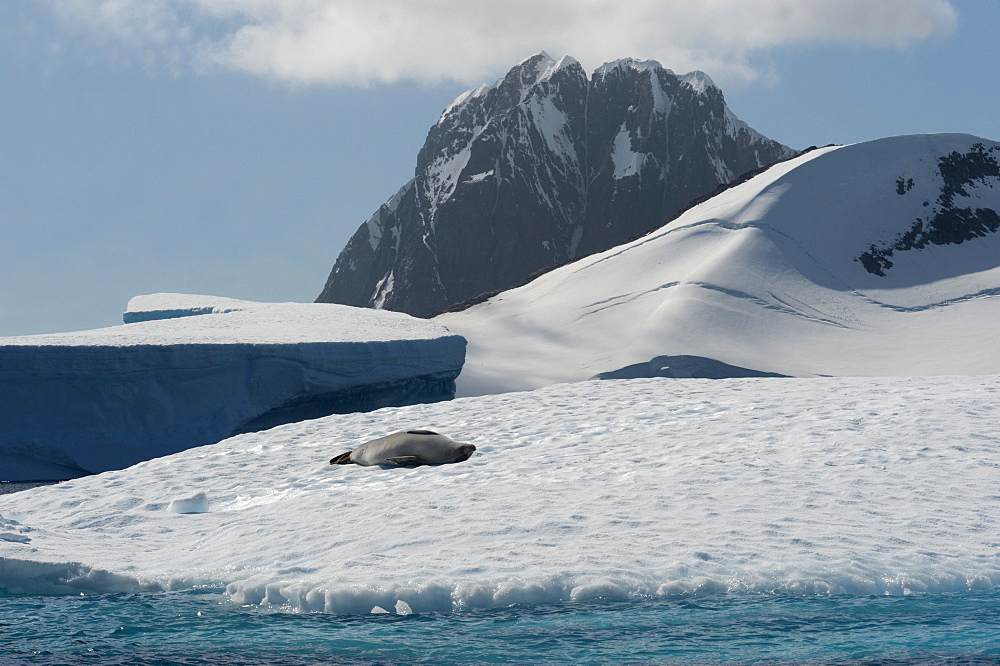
203 626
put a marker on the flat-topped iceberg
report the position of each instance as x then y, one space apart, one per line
192 370
621 490
170 306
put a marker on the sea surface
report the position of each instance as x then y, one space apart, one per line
203 627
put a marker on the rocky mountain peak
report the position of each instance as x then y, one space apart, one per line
543 166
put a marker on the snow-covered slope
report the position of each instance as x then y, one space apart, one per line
78 403
880 258
684 487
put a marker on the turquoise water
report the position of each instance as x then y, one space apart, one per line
202 627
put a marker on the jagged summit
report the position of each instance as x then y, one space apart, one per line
540 55
699 80
630 63
565 61
544 165
528 73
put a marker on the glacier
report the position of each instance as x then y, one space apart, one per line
190 370
874 259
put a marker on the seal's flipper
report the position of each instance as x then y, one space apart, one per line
342 459
405 461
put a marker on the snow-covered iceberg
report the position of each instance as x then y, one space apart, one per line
800 486
191 370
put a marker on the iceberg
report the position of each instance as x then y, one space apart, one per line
638 489
192 370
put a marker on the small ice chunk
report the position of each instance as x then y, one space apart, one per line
403 608
378 610
197 503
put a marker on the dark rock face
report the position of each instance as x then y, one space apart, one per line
947 222
540 168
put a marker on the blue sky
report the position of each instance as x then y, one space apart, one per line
228 149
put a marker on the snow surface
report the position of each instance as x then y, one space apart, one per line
464 97
661 101
151 307
240 322
764 276
631 63
383 289
552 124
89 401
698 80
377 221
685 487
555 66
626 161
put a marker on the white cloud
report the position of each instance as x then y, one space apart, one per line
383 41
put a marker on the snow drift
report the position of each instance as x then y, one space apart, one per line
192 370
879 258
686 487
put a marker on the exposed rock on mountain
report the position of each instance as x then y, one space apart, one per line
544 166
946 222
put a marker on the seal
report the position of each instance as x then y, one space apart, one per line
407 449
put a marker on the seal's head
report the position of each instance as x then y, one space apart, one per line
465 452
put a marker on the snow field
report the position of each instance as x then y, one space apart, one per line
613 490
763 276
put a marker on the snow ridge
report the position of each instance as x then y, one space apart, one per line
631 63
698 81
769 275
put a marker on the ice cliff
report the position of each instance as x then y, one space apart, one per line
193 370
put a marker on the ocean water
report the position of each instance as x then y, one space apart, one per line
204 627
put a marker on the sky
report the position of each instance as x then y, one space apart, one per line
231 147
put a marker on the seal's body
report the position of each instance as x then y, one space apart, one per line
407 449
